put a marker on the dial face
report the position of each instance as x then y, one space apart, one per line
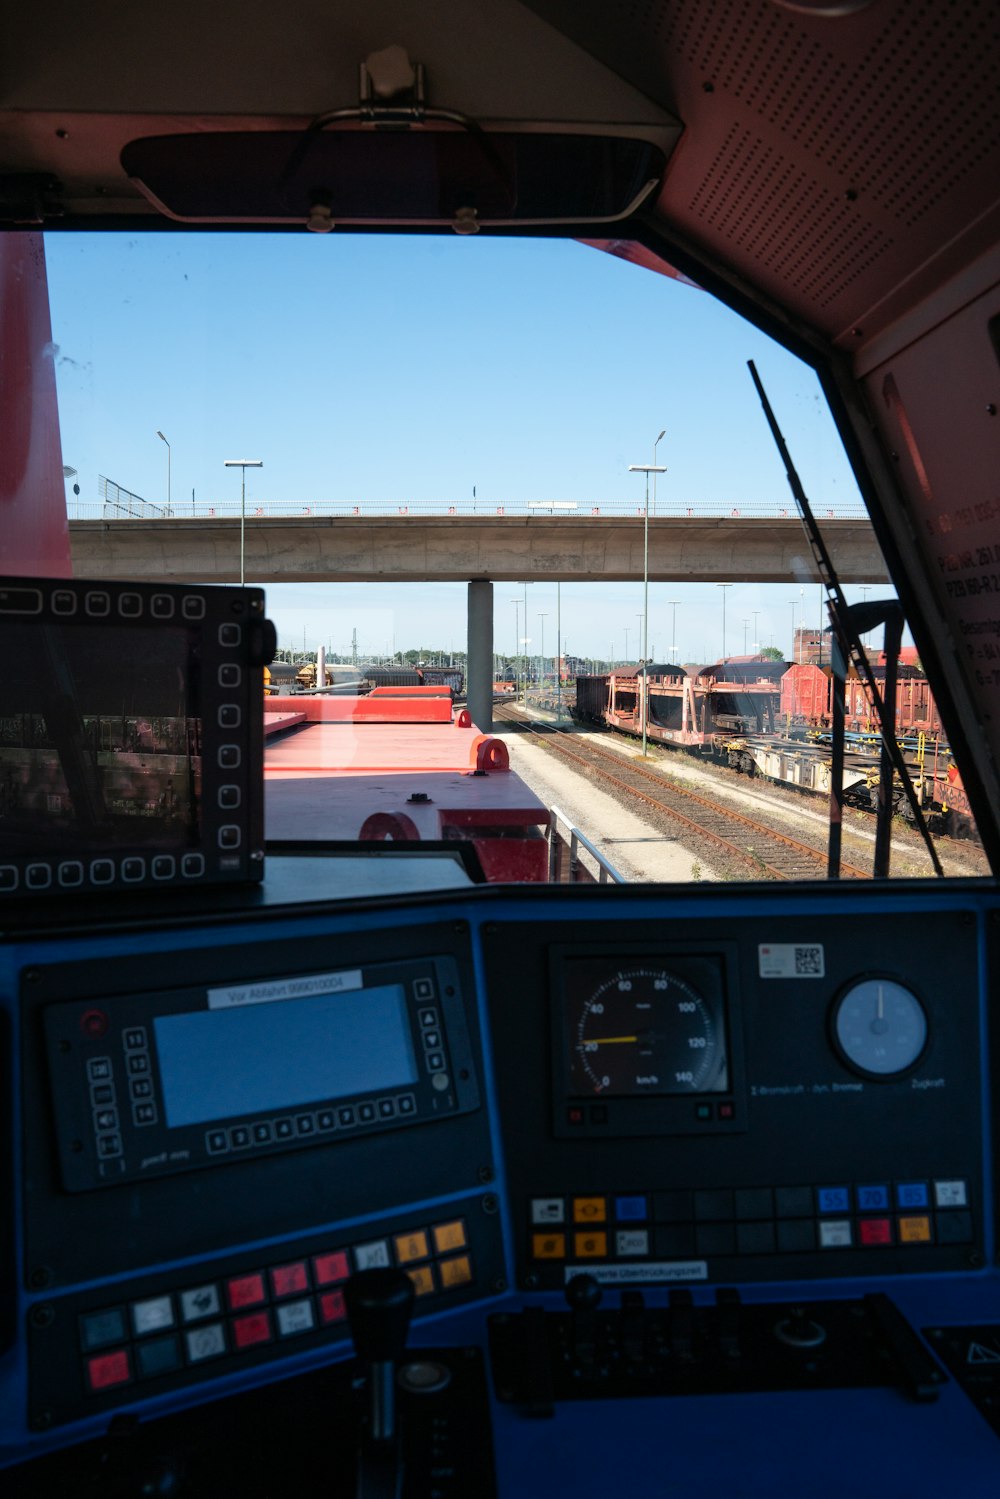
643 1031
880 1027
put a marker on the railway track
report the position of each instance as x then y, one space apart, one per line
762 850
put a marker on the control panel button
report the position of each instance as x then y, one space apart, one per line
158 1356
422 1277
372 1256
912 1195
152 1315
329 1268
548 1246
289 1280
833 1199
245 1290
203 1343
193 606
631 1209
200 1302
630 1242
548 1210
796 1235
954 1228
99 1329
914 1229
835 1234
331 1307
874 1232
950 1194
449 1236
249 1331
873 1199
455 1273
589 1210
590 1246
38 876
295 1317
105 1371
412 1246
70 873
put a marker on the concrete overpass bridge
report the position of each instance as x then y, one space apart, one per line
477 549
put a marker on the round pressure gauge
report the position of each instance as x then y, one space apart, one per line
879 1027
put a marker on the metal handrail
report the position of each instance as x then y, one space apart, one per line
606 871
133 507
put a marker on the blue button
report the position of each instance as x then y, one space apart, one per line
873 1199
912 1195
834 1199
630 1209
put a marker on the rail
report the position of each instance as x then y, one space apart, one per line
125 506
576 872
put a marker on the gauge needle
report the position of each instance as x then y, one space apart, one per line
611 1040
879 1025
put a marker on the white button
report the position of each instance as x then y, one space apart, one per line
295 1316
200 1301
548 1210
205 1342
229 634
162 606
371 1256
98 604
230 675
951 1194
835 1234
632 1241
38 876
152 1315
130 605
193 606
71 873
9 877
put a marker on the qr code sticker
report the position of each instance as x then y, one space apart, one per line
809 962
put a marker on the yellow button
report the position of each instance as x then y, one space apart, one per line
915 1230
457 1272
422 1277
589 1210
548 1246
448 1236
590 1246
411 1247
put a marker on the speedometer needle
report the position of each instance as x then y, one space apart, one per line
611 1040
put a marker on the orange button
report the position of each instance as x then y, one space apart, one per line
457 1272
448 1236
914 1230
548 1246
411 1247
590 1246
589 1210
422 1277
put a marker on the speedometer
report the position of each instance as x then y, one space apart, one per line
644 1030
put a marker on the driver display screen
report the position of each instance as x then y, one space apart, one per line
221 1064
100 746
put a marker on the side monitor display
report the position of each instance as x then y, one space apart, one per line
131 739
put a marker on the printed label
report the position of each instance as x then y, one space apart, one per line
622 1275
791 960
300 987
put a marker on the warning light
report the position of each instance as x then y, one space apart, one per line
94 1024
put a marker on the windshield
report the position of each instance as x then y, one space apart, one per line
434 451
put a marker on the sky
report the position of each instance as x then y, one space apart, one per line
414 370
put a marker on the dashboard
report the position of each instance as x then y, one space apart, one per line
656 1165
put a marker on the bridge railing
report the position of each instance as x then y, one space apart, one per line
135 508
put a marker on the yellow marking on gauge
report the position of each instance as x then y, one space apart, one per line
612 1040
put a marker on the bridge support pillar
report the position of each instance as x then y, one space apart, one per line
479 665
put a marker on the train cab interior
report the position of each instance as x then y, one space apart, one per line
338 1172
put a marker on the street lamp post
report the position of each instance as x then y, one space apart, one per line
746 625
517 637
756 637
656 444
647 469
244 464
541 667
558 655
723 586
163 439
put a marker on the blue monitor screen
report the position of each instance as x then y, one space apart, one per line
220 1064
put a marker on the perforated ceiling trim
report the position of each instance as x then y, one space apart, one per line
764 203
929 72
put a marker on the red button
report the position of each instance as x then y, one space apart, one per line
288 1280
875 1231
727 1111
94 1023
253 1329
331 1307
109 1369
245 1290
329 1268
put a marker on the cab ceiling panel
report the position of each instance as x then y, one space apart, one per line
841 157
